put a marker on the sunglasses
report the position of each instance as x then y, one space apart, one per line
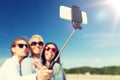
22 45
35 43
53 49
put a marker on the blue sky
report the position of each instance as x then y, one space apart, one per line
96 45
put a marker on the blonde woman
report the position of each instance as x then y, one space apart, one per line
36 43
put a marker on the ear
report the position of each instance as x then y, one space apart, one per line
13 49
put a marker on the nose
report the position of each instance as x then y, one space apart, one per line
24 47
37 44
50 50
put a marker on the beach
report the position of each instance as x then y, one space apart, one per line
92 77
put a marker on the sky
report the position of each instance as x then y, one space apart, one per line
95 45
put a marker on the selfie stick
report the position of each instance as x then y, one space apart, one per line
76 21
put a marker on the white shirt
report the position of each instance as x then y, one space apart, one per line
10 70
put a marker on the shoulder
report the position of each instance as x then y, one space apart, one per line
57 66
27 60
10 60
9 63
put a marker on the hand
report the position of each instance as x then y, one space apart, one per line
38 64
44 73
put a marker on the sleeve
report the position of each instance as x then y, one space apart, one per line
27 66
59 73
10 71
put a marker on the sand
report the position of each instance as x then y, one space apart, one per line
92 77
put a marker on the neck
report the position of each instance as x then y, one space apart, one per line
19 58
36 55
48 64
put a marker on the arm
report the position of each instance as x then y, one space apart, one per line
44 72
27 66
10 71
59 73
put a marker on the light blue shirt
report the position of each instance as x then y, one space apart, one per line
10 70
58 72
28 68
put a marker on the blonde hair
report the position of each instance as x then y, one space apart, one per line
36 36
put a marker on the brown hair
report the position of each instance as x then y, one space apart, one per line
14 43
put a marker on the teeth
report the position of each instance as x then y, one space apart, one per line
37 49
49 55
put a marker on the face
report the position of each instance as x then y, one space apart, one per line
21 48
50 52
36 45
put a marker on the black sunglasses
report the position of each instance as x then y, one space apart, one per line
22 45
53 49
40 43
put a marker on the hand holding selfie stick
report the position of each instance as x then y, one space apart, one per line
76 16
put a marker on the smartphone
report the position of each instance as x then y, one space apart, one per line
66 13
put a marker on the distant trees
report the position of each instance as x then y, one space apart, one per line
113 70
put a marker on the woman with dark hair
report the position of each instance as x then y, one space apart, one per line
50 52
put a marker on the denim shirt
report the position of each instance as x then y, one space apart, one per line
28 68
58 72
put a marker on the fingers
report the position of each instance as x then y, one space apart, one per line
44 73
38 64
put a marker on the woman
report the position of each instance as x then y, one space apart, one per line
11 69
36 43
50 51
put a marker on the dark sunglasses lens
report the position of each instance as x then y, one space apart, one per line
33 43
22 45
48 48
26 45
40 43
53 49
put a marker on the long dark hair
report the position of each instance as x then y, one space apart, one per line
43 54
